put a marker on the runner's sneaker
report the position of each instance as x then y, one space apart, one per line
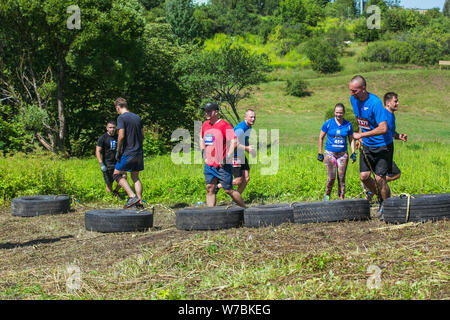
380 212
326 198
367 194
139 206
131 202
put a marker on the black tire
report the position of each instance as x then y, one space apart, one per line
118 220
209 218
30 206
423 207
268 215
331 211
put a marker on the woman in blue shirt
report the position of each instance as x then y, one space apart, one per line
338 130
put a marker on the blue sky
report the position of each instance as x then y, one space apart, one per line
420 4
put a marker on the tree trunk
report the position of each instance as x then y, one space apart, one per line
61 117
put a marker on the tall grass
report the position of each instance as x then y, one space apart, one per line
300 177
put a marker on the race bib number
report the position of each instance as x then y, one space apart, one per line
363 123
113 145
236 162
209 139
339 142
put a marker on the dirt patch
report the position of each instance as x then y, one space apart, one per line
40 247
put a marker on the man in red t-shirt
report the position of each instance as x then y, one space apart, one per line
217 143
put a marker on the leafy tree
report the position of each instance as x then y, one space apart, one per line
446 8
341 8
66 80
180 15
323 56
379 3
292 11
151 4
225 75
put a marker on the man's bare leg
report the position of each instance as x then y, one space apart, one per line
245 178
210 195
369 182
392 178
137 185
384 187
123 183
236 196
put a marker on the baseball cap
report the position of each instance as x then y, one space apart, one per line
210 106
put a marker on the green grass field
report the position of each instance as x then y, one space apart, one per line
291 261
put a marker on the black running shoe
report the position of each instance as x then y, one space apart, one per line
131 202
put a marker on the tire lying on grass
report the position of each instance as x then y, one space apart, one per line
268 215
423 207
209 218
30 206
118 220
331 211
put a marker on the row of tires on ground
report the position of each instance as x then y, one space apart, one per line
401 209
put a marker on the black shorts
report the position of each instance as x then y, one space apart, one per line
237 171
379 159
394 171
108 176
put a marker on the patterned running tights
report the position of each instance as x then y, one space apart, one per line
336 162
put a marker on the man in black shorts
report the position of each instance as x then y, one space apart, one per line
129 154
241 169
390 106
105 151
377 148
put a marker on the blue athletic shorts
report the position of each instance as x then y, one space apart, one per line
130 164
224 175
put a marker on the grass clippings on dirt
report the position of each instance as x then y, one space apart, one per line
291 261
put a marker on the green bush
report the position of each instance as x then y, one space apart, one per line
153 144
387 51
323 56
417 48
297 87
363 33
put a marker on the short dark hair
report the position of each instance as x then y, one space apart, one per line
360 80
111 121
341 105
210 106
121 102
388 96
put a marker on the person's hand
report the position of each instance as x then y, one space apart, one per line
103 167
320 157
204 155
252 151
357 144
403 137
356 135
118 155
353 157
228 160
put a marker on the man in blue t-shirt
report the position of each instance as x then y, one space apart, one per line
130 154
391 105
376 149
241 169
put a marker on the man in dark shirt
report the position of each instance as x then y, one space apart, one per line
129 154
105 151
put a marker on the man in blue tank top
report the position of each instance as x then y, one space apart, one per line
377 148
